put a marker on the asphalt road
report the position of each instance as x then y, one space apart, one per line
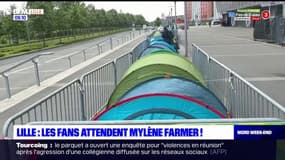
23 76
32 99
260 63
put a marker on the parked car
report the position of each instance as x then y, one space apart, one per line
216 22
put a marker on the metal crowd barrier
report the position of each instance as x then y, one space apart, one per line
34 60
250 121
79 99
241 98
98 86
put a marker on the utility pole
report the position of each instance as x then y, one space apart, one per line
175 21
185 29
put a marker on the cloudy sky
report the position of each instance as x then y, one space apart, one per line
150 10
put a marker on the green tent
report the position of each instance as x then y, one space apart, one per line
154 66
156 34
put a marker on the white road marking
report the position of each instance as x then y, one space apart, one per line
250 79
57 58
42 71
29 67
225 45
248 55
42 85
14 88
258 79
20 70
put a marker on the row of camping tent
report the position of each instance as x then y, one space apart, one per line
162 85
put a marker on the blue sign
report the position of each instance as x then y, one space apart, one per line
20 17
232 14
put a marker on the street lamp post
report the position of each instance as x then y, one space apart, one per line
169 16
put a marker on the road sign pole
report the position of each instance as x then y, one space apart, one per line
37 74
8 89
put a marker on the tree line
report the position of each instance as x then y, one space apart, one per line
64 18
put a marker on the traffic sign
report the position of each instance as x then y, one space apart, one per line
265 14
232 14
254 18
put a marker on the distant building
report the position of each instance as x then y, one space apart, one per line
224 6
206 10
196 11
227 8
189 13
199 11
171 19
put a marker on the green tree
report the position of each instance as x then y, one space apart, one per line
13 29
157 21
78 15
64 17
130 19
61 19
91 12
122 20
42 24
102 18
112 18
1 25
139 20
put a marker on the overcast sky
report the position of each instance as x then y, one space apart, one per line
150 10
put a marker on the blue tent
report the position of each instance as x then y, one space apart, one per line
158 106
156 49
163 44
177 85
158 38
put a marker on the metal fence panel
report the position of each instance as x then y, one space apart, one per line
138 50
62 105
98 86
165 122
122 64
242 99
219 83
